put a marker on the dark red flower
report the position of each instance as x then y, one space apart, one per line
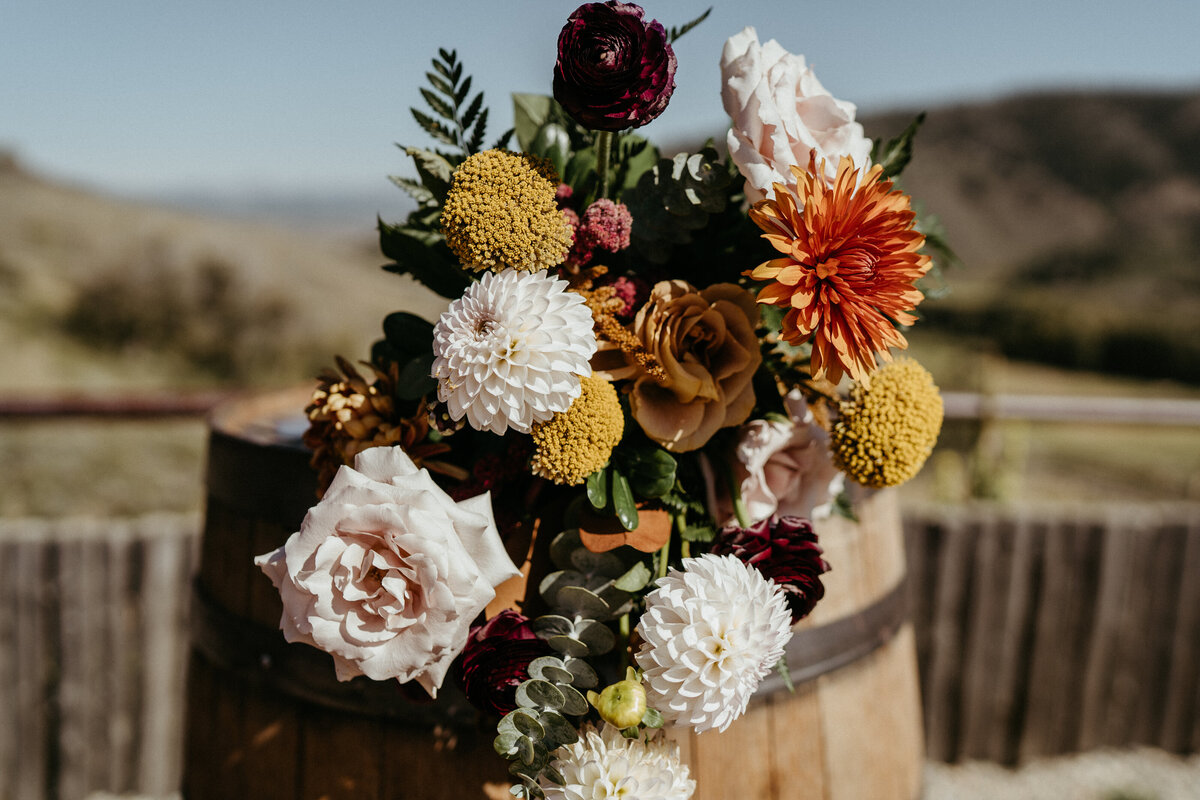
785 550
496 660
614 69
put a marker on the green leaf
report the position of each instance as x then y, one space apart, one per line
461 94
480 131
597 489
525 750
440 84
526 723
415 380
675 33
539 694
574 703
472 111
635 579
554 776
440 106
781 667
434 128
448 56
502 142
434 170
652 718
541 663
553 142
651 470
578 601
414 256
408 333
895 155
585 676
442 68
597 636
552 625
568 646
530 112
623 502
505 743
558 730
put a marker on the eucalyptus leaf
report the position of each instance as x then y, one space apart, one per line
558 730
579 602
563 545
554 776
597 636
505 743
568 645
635 579
539 694
538 666
585 676
526 723
526 750
589 563
552 625
574 703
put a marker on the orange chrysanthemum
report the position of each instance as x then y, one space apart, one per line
849 267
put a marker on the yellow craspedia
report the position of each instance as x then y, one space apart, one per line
500 213
575 443
888 427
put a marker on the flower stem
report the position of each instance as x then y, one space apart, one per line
735 495
604 146
663 555
625 649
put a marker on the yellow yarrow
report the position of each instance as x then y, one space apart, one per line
575 443
500 213
887 428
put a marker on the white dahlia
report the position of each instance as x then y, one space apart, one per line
511 350
607 765
710 633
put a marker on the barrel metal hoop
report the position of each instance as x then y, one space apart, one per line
262 656
813 652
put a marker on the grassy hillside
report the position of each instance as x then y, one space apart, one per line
100 293
1077 217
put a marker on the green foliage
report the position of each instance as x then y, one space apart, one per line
423 254
674 33
675 198
454 121
407 342
896 153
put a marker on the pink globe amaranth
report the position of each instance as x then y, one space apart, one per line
784 549
496 661
614 69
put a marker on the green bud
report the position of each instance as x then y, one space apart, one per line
622 704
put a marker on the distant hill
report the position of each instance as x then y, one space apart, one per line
1077 217
97 292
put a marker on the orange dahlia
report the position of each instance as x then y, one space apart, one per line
848 270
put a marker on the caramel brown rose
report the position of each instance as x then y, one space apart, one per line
705 342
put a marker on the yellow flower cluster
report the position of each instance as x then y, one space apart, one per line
887 428
575 443
500 213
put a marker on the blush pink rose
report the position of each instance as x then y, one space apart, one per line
387 572
782 116
782 468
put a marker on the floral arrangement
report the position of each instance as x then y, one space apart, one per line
585 494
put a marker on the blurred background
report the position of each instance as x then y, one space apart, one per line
188 199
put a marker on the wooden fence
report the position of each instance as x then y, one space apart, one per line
1040 631
93 647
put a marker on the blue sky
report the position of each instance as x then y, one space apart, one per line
155 96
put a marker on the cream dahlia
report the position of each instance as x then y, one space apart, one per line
604 764
510 351
709 634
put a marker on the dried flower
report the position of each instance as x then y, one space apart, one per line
577 442
785 550
500 213
511 350
606 226
709 634
614 70
604 764
886 430
850 261
496 660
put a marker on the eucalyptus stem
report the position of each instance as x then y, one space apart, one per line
604 146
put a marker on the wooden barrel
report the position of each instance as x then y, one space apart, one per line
268 720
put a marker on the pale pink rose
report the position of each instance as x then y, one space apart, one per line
387 572
782 468
782 116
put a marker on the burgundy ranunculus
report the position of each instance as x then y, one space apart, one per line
614 70
785 550
496 659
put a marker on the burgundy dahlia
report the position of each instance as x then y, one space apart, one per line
496 660
785 550
614 70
